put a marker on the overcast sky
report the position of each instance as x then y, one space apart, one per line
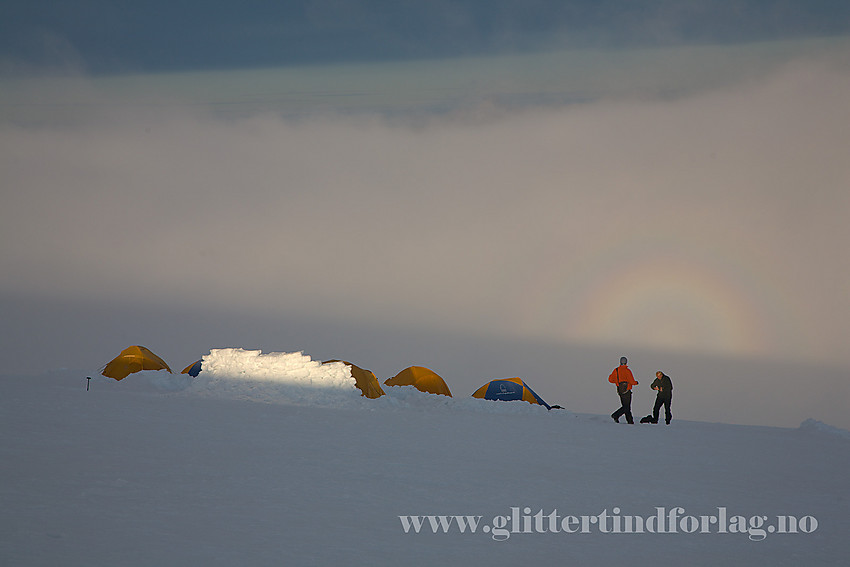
105 36
587 174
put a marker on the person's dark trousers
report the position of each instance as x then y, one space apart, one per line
625 407
665 401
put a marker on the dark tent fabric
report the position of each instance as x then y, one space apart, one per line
509 389
193 369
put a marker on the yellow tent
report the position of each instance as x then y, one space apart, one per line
365 380
422 379
133 359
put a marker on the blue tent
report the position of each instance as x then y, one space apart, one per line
507 390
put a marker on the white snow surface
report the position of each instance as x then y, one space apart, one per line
275 459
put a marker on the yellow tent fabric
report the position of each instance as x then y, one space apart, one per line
365 380
133 359
422 379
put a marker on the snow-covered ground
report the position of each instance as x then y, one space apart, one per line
275 459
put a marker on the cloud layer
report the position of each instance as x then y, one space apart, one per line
107 37
712 222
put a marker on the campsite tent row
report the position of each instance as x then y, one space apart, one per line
136 358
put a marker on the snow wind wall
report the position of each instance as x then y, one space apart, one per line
274 377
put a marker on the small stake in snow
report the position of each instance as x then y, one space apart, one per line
88 381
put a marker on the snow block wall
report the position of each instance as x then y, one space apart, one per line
274 377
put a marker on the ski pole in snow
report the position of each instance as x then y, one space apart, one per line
88 381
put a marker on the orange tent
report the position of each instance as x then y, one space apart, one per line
133 359
422 379
365 380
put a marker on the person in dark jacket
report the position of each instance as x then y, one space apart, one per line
664 386
624 380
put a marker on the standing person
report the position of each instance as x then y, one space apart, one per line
624 380
664 386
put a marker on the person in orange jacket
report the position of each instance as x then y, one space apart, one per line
624 380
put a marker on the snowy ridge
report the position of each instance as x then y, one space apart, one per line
821 428
91 475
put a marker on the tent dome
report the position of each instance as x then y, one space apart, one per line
423 379
509 389
133 359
